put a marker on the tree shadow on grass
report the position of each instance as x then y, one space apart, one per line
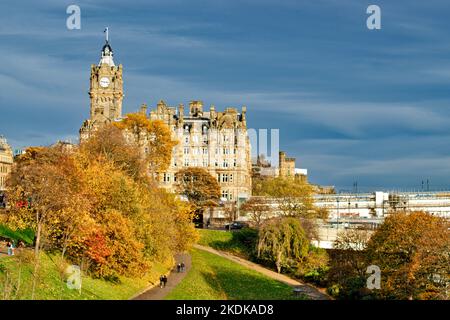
242 285
241 243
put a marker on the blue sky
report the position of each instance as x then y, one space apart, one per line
351 104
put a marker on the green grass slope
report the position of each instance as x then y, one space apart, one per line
16 273
213 277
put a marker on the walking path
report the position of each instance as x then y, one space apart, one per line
173 279
312 292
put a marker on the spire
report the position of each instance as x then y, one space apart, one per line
107 52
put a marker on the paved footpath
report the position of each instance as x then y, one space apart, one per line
312 292
173 279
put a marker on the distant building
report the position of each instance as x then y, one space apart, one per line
6 162
286 168
379 204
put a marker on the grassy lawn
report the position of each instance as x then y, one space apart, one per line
235 242
213 277
52 287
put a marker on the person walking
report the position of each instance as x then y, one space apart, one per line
161 281
182 266
179 268
165 280
8 247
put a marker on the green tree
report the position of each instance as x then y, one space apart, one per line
283 242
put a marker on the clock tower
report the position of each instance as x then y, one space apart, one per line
105 92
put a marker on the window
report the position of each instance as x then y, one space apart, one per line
231 177
205 162
225 163
166 177
186 140
225 194
186 162
205 150
235 163
186 150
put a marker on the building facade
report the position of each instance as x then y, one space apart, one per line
216 141
6 162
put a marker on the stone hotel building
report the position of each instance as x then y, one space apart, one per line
216 141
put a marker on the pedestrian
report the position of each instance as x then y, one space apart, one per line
178 268
165 280
161 281
8 246
182 266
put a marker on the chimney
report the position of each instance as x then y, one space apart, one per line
144 109
196 108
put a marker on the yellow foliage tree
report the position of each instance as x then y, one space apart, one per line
153 137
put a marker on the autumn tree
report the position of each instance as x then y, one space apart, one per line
200 187
109 143
294 197
412 250
152 136
45 189
98 207
258 209
347 272
45 196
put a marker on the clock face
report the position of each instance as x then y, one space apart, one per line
104 82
